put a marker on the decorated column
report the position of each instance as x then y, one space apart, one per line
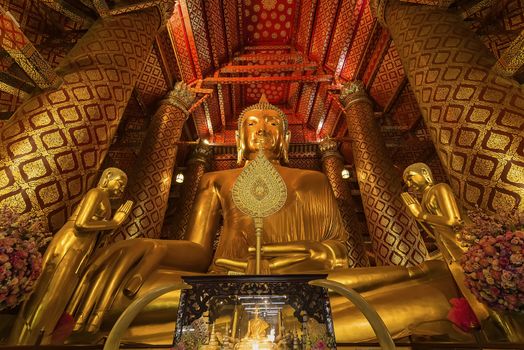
474 115
395 237
53 145
150 183
196 167
332 165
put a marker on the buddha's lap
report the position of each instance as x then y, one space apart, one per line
402 303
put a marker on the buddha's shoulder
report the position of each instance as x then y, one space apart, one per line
221 175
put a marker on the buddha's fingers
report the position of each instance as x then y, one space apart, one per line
102 258
86 284
150 260
88 293
283 249
110 286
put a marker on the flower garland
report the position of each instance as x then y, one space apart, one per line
494 263
21 241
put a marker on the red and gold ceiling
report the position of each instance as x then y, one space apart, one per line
297 52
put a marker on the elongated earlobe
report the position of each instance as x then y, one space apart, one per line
240 148
285 147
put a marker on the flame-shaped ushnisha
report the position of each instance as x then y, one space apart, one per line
259 191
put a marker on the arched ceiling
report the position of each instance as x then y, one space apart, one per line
297 52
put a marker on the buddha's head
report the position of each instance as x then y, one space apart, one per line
418 176
113 181
262 124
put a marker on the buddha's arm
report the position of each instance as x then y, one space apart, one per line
329 255
194 253
86 218
196 250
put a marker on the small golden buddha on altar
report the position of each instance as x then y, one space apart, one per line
257 335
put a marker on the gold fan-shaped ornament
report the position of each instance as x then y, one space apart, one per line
259 191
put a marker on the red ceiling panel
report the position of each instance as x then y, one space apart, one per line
388 77
406 113
343 34
379 51
319 108
180 40
193 10
217 34
364 24
306 19
231 25
307 98
333 115
268 22
324 20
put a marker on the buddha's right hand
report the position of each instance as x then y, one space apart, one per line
301 256
121 266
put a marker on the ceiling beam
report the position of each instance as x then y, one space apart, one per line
15 86
377 59
511 59
262 68
272 79
25 54
475 7
269 57
221 106
396 94
76 15
371 43
164 66
437 3
267 47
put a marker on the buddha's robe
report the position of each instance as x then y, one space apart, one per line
310 213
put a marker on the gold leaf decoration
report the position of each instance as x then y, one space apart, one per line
259 190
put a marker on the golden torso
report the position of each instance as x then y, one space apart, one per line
309 213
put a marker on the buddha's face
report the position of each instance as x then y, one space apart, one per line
262 127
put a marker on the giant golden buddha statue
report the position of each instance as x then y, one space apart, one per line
305 235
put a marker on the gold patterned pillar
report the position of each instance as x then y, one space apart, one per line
150 183
196 167
395 238
474 115
332 165
53 145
